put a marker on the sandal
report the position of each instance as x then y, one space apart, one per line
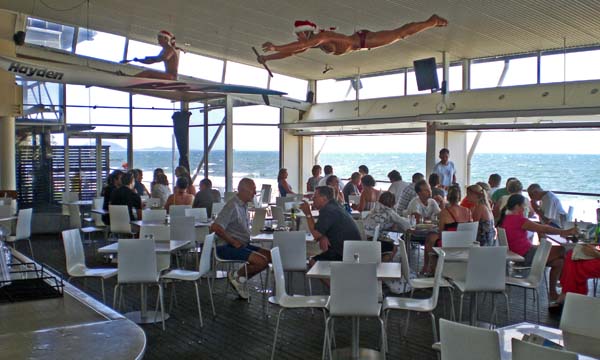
555 308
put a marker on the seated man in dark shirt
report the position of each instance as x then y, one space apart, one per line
112 183
206 196
335 225
125 195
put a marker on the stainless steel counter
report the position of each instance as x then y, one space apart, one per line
75 326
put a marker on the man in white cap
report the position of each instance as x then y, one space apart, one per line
169 55
335 43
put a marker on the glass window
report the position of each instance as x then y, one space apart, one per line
332 90
154 111
455 77
411 82
294 87
153 148
486 74
241 74
100 45
382 86
47 97
197 151
49 34
138 49
200 66
521 71
112 106
256 114
581 65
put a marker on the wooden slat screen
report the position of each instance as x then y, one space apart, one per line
41 179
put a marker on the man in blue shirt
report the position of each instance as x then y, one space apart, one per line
445 169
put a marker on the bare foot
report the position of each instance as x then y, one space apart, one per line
438 21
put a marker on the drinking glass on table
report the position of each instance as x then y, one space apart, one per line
413 221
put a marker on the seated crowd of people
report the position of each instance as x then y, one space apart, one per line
437 200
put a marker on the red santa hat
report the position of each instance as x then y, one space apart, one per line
304 25
166 34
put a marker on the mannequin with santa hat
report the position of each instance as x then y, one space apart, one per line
169 55
335 43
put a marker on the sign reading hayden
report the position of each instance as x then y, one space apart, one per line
31 71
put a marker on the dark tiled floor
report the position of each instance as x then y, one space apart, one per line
242 330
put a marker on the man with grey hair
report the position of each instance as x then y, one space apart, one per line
232 227
409 193
547 206
335 225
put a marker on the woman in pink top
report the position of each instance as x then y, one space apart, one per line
516 226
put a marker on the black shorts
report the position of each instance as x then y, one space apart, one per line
328 256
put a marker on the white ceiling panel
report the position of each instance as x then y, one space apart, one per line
228 29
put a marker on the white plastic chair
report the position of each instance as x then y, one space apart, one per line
196 276
98 224
522 350
161 233
292 248
376 232
137 265
486 269
290 302
178 210
281 201
199 214
354 293
278 215
5 212
74 216
182 228
464 342
419 305
470 227
502 239
579 324
154 215
535 277
75 258
454 239
23 229
216 208
361 229
258 222
119 220
353 199
153 203
229 264
66 198
367 251
419 283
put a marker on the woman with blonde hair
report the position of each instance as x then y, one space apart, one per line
482 213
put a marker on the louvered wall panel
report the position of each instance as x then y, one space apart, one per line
41 181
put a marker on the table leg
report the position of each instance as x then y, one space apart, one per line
355 337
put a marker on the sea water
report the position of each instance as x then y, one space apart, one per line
557 172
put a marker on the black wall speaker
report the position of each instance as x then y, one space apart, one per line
426 73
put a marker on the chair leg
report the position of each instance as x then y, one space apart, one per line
383 337
210 293
275 336
407 322
524 304
30 248
198 301
451 293
115 291
103 294
162 305
434 327
493 312
326 340
538 304
460 309
507 307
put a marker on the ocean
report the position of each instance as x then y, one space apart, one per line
556 172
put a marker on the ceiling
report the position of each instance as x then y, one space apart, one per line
228 29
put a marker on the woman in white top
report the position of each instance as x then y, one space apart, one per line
160 189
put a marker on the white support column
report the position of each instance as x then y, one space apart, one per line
7 153
456 142
229 144
430 152
7 120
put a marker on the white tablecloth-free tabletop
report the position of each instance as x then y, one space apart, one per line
386 270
